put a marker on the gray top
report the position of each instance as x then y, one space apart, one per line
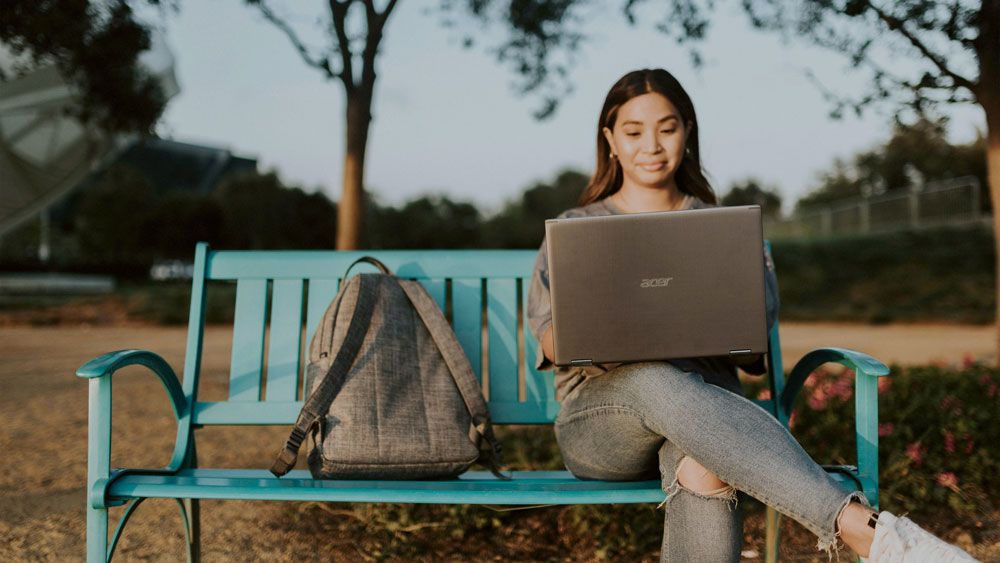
717 370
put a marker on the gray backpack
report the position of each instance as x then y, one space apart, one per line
391 393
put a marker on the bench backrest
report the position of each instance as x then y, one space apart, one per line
282 295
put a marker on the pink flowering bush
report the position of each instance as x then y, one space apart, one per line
939 434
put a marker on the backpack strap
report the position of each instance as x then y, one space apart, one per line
460 370
333 381
369 260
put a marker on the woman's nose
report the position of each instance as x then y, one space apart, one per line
651 145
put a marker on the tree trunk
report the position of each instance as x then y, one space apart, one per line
987 91
993 177
351 208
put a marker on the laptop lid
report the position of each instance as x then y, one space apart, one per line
658 285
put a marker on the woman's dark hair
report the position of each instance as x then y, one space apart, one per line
607 178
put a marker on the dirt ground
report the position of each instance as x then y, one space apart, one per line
44 438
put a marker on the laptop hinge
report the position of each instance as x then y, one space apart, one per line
739 352
581 362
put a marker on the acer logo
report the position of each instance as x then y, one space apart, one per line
655 282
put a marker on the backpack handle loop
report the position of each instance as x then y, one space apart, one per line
370 260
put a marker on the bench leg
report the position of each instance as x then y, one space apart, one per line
98 465
193 510
773 520
97 535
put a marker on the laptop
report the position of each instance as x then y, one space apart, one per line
657 285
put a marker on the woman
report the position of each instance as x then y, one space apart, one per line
687 420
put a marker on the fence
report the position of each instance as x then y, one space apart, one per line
950 202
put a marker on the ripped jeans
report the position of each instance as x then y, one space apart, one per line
640 420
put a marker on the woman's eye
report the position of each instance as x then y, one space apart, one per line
669 131
632 134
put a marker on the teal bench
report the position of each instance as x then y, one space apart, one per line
479 290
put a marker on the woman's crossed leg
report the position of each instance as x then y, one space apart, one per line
705 443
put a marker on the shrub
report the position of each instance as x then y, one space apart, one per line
900 276
939 443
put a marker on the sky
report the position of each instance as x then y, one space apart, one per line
447 120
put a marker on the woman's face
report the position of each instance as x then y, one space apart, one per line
648 140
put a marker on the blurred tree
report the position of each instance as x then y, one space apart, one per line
750 192
432 221
543 38
113 217
179 221
258 212
95 43
918 151
521 222
353 42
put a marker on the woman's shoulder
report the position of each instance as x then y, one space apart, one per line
699 204
598 208
594 209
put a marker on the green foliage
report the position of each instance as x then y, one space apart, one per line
939 444
95 43
258 212
432 221
932 38
917 153
750 192
521 222
113 216
940 274
179 221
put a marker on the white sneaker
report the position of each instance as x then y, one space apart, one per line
899 540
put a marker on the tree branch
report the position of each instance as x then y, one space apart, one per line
322 64
388 10
376 23
895 24
338 13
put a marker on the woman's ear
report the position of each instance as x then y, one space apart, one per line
610 138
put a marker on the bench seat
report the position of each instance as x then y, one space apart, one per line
472 487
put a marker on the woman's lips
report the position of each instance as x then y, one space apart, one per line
654 167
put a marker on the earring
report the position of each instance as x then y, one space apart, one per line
611 155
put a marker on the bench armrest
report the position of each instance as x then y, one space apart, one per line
99 372
107 364
862 364
867 370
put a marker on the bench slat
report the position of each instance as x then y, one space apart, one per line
473 487
285 264
285 342
321 293
436 289
467 313
539 386
515 412
243 413
501 314
248 340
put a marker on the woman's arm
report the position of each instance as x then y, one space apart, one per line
547 345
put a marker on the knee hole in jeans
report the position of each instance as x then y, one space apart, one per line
693 477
